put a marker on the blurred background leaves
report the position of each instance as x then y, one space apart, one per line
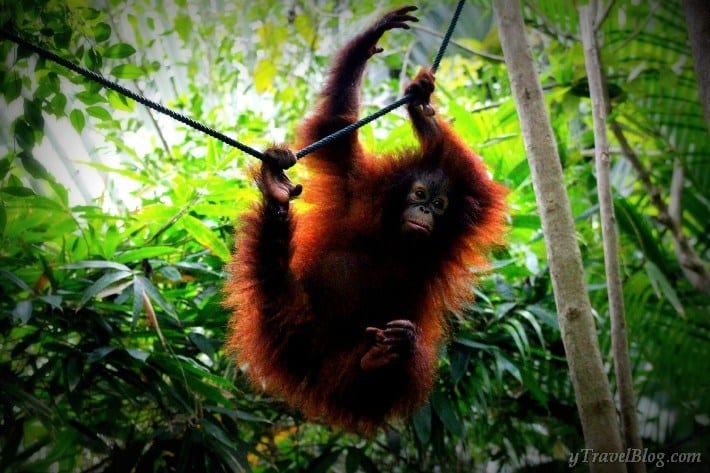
115 225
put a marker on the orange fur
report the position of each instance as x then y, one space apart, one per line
303 290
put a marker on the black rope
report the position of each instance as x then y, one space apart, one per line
352 127
130 94
212 132
447 36
394 105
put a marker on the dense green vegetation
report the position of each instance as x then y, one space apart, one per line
110 320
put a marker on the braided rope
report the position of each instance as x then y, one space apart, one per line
130 94
158 107
394 105
447 36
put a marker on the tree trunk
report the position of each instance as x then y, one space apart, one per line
591 386
697 15
600 111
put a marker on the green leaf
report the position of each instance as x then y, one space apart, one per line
138 290
352 460
505 307
139 355
446 411
32 166
183 26
203 343
531 222
52 82
61 192
18 191
37 202
504 364
171 272
12 87
73 369
251 417
127 71
90 13
16 280
58 104
102 32
660 281
478 346
367 465
54 301
536 391
120 102
90 98
24 134
230 455
533 322
33 113
515 329
155 295
200 232
98 354
199 267
264 74
22 311
5 166
459 364
62 38
216 433
119 51
102 283
43 90
99 112
93 59
3 220
237 414
305 28
637 226
76 117
519 174
97 264
544 315
139 254
323 462
421 420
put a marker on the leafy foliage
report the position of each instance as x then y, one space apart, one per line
110 316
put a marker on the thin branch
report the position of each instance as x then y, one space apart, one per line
403 76
616 152
601 18
152 118
489 106
474 52
644 174
693 267
174 219
610 239
675 208
548 25
638 29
